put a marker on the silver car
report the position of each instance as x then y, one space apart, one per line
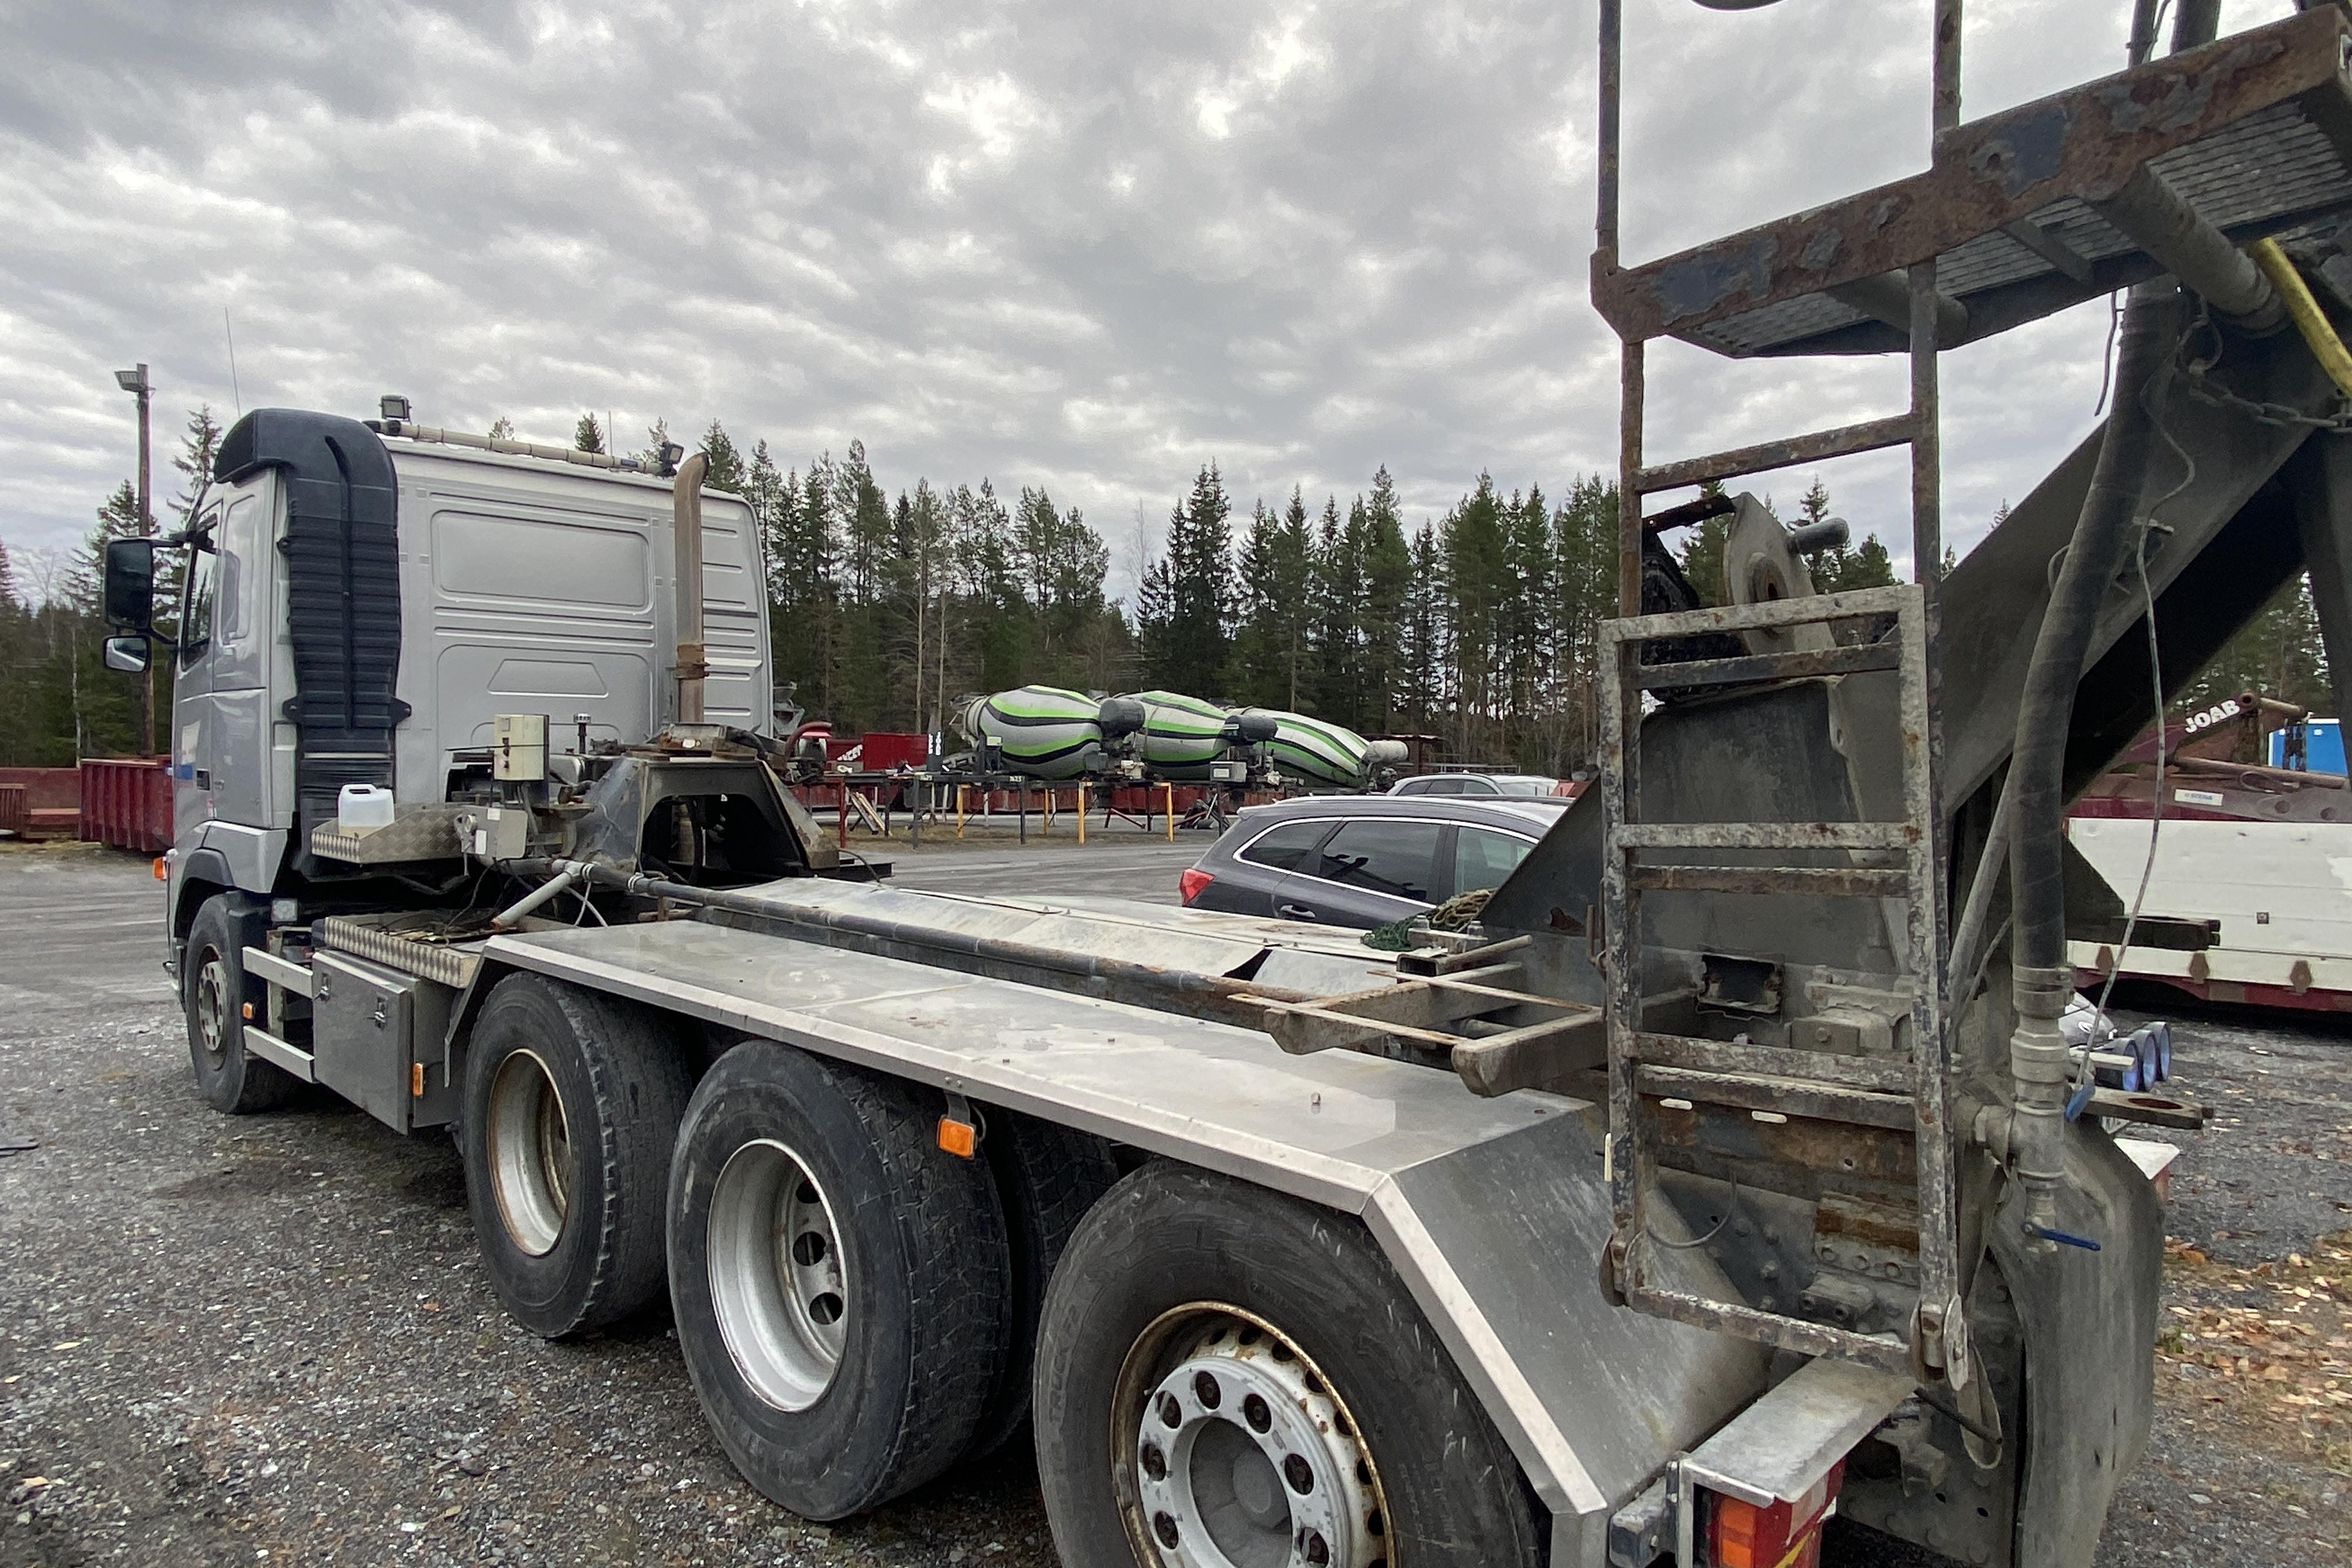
1364 860
1518 786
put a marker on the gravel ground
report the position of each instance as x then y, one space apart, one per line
238 1340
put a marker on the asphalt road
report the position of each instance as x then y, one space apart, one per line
244 1341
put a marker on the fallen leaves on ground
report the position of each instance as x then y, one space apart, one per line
2266 1349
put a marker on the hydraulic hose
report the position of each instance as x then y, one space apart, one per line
2044 979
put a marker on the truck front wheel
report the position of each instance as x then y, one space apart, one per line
1231 1376
839 1281
572 1102
215 993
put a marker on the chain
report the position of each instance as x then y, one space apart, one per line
2195 379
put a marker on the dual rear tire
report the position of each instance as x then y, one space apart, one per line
1222 1377
572 1104
1229 1378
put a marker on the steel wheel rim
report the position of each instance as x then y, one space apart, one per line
212 1010
529 1152
779 1285
1260 1465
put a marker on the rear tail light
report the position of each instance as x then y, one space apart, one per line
1740 1535
1189 885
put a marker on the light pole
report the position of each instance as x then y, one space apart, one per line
135 383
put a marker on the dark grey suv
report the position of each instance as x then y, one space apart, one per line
1364 860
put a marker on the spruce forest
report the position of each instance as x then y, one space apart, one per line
1476 628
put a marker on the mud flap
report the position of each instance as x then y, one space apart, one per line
2089 1324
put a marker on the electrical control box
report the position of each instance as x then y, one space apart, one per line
495 832
518 747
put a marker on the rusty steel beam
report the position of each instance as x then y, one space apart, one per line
1819 609
1887 297
1822 882
1869 435
1536 1056
2052 250
1767 836
1802 664
1695 1054
1779 1096
2086 143
1887 1355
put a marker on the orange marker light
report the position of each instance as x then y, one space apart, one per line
1739 1534
246 1008
958 1138
159 868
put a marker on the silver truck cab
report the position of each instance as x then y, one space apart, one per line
516 584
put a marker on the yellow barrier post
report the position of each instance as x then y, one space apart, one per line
960 789
1082 813
1168 792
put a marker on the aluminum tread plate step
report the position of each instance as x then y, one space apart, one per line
2254 132
1593 1400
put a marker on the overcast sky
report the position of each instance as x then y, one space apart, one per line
1084 244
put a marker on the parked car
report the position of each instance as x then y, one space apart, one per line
1364 860
1514 784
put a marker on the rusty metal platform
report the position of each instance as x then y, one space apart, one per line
2254 132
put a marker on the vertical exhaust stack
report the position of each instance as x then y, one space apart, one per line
693 667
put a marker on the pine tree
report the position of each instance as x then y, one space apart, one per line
1335 602
1192 642
1425 642
1477 575
1387 572
587 436
726 471
1255 675
1526 626
200 441
1584 545
1702 552
1293 576
926 542
656 437
501 429
2278 654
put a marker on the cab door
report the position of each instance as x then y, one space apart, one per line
194 723
237 750
219 746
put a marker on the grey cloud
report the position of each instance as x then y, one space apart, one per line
1084 245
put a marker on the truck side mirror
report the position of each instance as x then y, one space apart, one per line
128 655
129 593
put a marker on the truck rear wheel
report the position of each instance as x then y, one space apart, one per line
1047 1176
215 993
1227 1376
839 1281
572 1102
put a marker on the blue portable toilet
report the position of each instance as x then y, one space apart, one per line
2322 749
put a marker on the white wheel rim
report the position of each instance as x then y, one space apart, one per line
1241 1455
779 1285
529 1152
